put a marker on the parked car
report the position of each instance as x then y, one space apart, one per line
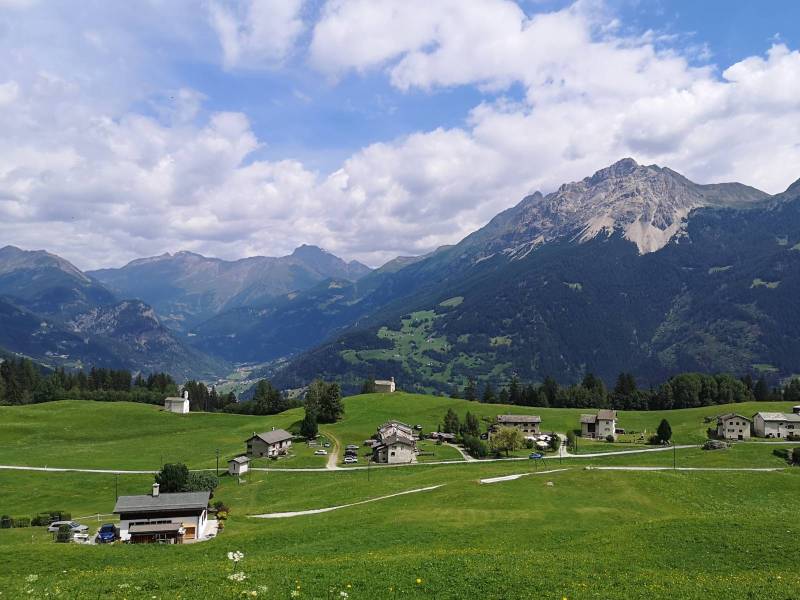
351 447
107 533
349 460
320 452
418 427
74 527
327 444
535 455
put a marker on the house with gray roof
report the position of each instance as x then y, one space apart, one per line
732 426
776 425
396 444
599 425
164 518
270 443
527 424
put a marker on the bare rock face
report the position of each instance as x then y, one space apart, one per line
647 204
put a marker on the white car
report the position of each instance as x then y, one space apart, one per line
320 452
349 460
74 527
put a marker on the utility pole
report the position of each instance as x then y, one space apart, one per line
674 458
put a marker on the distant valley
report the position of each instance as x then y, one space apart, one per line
633 268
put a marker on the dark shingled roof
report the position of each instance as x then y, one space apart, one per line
273 437
162 502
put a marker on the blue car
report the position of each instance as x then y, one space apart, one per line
535 455
107 534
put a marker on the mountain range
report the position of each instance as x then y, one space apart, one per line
635 268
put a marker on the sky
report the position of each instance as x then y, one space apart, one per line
372 128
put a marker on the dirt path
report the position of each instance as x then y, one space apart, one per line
316 511
333 455
744 469
466 456
518 475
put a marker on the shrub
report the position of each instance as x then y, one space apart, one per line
22 522
6 522
609 438
529 444
64 534
555 442
475 446
571 439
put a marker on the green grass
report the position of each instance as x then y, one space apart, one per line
137 436
592 534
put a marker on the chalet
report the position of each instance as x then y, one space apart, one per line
527 424
239 465
600 425
732 426
396 444
164 518
270 443
384 385
176 404
776 425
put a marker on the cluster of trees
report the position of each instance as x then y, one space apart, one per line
175 477
687 390
323 405
201 398
24 382
267 400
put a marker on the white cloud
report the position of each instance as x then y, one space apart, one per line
104 162
256 33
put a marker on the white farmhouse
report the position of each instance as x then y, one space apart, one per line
270 443
733 427
178 405
600 425
396 444
776 425
165 518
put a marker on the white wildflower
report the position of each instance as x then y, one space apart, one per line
235 556
32 578
237 576
343 594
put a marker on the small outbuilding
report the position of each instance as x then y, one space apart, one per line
385 386
732 426
239 465
270 443
179 405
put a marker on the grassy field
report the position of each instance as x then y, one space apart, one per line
577 533
591 534
137 436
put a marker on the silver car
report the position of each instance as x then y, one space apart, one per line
74 527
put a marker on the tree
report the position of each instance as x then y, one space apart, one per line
470 390
571 437
475 446
2 390
506 439
791 393
488 394
451 423
761 390
201 481
503 396
550 390
325 399
471 425
172 478
514 391
664 431
308 428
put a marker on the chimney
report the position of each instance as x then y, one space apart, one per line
155 490
185 394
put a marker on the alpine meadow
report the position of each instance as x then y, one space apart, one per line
341 299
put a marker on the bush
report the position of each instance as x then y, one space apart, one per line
715 445
44 519
529 444
609 438
796 457
571 437
475 446
22 522
64 534
555 442
6 522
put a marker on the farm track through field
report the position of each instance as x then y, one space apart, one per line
316 511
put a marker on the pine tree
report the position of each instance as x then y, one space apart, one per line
514 391
451 423
761 390
308 428
664 431
488 394
470 390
